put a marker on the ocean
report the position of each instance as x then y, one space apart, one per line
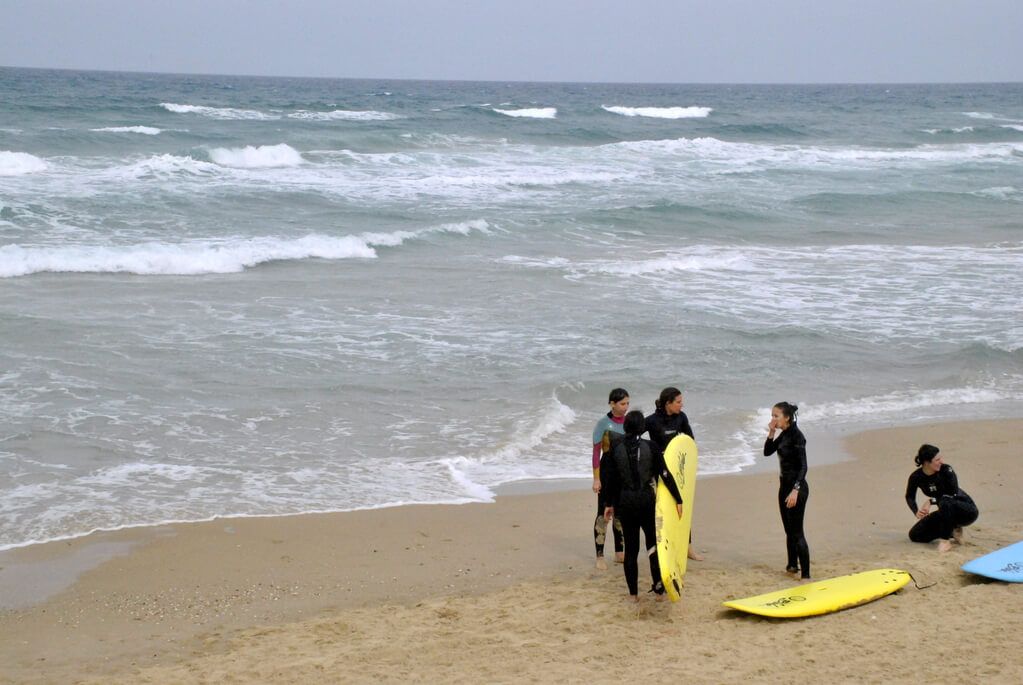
242 296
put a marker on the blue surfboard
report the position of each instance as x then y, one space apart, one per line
1002 564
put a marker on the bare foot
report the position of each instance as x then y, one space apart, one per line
944 546
957 535
634 598
694 555
601 564
619 557
792 570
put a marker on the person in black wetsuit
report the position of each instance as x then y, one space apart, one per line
939 483
628 474
667 421
793 491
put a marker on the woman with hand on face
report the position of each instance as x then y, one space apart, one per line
609 425
939 483
785 438
667 421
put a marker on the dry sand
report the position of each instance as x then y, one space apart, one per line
507 592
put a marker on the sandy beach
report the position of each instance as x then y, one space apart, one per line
507 592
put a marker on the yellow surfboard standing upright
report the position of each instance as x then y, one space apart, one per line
672 531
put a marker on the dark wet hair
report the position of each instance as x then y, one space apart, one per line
925 454
788 410
635 423
668 396
617 395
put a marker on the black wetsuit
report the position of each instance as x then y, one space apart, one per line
662 427
628 474
955 507
791 448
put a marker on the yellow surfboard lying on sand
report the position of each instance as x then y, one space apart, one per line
672 531
824 596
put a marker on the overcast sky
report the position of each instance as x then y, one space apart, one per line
678 41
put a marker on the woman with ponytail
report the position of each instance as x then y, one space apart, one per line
939 483
793 491
668 421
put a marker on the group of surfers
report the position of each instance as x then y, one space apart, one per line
626 468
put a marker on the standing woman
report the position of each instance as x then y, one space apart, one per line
609 425
629 473
790 444
938 481
667 421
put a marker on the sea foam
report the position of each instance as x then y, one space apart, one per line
262 157
660 112
144 130
343 115
19 163
207 257
534 113
219 112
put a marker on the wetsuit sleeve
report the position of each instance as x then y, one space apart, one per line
656 433
911 487
596 460
771 446
799 452
667 478
686 428
951 484
598 438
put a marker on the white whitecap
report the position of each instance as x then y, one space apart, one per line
201 257
218 112
19 163
530 113
1014 127
207 257
343 115
261 157
144 130
660 112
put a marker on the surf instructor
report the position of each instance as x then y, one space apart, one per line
609 425
793 491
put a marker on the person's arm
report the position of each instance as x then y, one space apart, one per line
771 444
686 428
950 486
656 432
911 492
799 449
669 480
596 467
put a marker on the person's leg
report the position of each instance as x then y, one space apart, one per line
926 529
630 535
792 565
600 532
800 543
616 534
650 537
795 538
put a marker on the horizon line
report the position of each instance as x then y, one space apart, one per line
549 81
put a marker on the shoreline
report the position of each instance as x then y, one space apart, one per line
167 600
